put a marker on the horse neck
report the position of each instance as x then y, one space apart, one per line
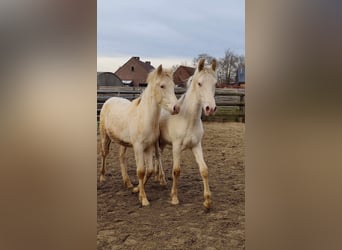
191 107
149 107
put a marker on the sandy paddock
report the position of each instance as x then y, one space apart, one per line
123 224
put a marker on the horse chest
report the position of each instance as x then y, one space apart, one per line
150 139
147 138
190 141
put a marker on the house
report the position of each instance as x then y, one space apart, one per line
182 74
108 79
222 85
134 72
240 76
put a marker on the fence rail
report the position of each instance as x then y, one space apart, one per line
230 102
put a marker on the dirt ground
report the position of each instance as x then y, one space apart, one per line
123 224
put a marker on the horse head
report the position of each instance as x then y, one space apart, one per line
204 82
164 89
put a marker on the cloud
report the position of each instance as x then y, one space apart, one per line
170 29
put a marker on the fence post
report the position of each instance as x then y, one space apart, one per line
242 108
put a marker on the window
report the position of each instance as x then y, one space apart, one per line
132 68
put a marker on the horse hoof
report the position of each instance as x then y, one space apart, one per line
102 178
174 201
207 204
129 185
135 190
163 183
145 203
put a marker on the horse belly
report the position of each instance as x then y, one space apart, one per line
116 121
120 138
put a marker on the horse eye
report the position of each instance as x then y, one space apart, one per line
199 84
162 86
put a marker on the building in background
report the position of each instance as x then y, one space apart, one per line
134 72
108 79
240 76
182 74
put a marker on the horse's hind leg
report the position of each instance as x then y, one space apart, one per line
148 156
105 143
156 162
123 166
158 167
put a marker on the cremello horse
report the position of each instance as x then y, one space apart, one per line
185 130
136 124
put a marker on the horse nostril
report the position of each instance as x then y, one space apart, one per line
207 108
175 109
215 108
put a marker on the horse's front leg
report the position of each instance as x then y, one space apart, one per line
148 163
197 151
176 151
139 158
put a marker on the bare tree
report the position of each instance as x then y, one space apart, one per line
174 67
228 66
208 59
241 60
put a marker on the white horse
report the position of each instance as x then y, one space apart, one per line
185 130
136 124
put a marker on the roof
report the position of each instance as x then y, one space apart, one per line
190 70
135 70
108 79
146 65
102 72
182 74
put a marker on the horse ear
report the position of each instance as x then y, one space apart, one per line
160 69
213 64
201 64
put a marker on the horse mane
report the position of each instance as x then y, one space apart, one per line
153 76
137 101
205 70
197 73
188 83
181 99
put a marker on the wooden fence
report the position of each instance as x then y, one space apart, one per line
230 102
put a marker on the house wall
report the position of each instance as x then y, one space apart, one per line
181 76
133 70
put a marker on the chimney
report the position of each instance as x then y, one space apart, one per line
136 57
148 62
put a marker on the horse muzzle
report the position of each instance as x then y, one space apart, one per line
176 109
209 110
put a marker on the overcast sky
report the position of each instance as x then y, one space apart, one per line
167 32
